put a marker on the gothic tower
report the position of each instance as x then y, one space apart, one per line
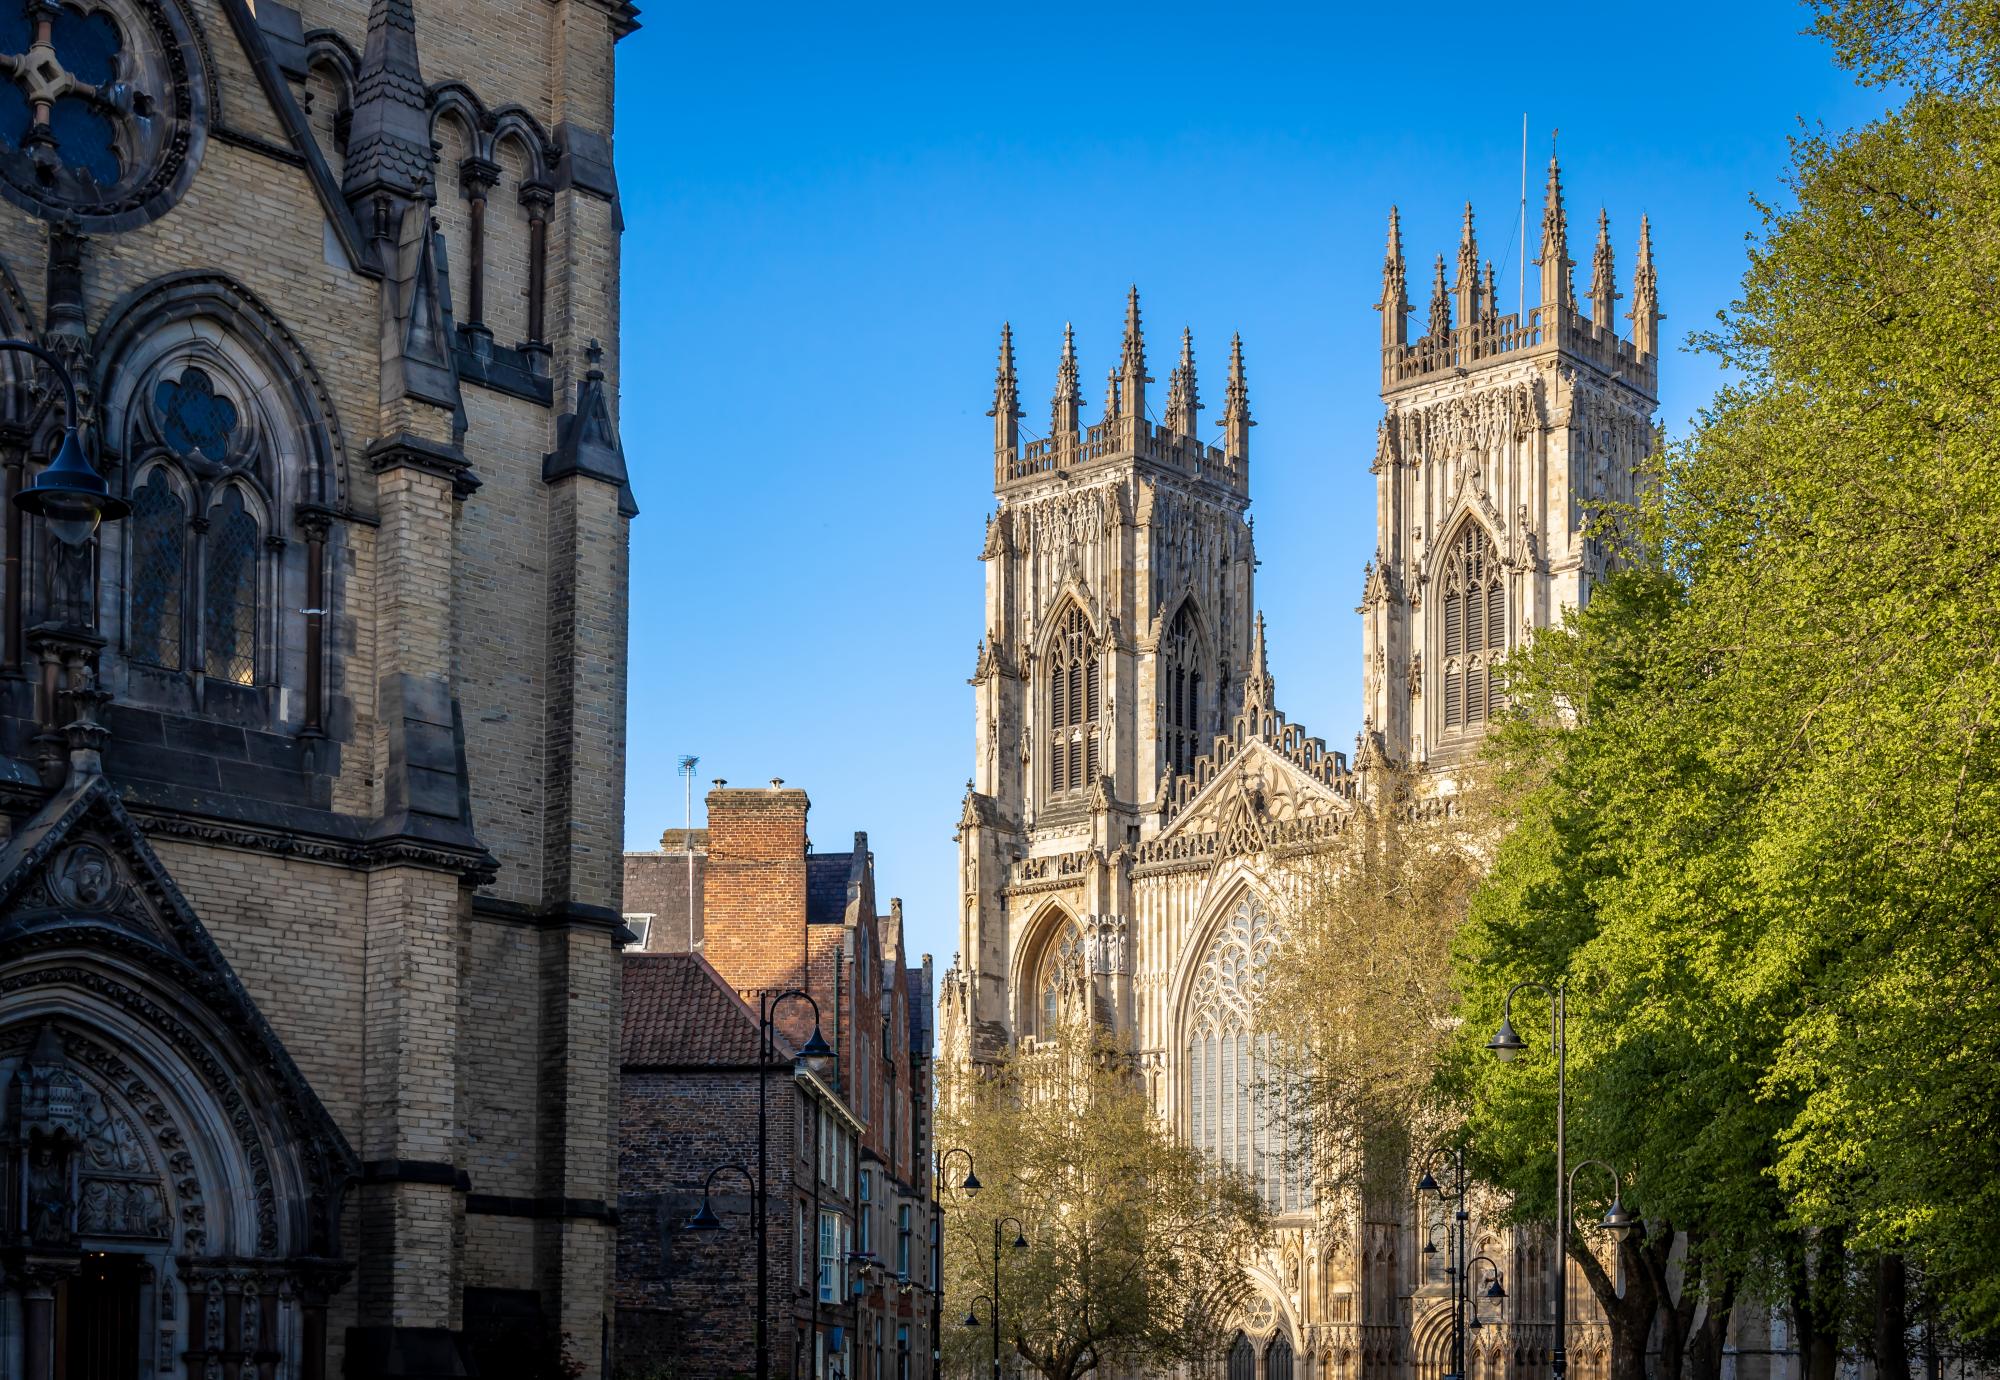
1504 439
1119 619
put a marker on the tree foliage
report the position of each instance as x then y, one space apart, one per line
1135 1241
1757 806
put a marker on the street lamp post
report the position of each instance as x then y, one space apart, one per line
815 1048
1494 1290
1452 1159
970 1187
1020 1244
1508 1045
70 495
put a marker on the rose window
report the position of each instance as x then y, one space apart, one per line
97 112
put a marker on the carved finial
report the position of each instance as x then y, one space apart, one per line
1604 292
1112 400
1063 410
1006 409
389 134
1236 419
1395 303
1132 362
1183 401
1467 285
1489 298
1558 290
1646 313
1440 320
1259 691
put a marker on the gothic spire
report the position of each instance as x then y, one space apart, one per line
1112 401
1006 410
1132 363
389 133
1063 411
1558 289
1183 402
1259 691
1439 328
1236 405
1395 303
1489 295
1646 313
1467 285
1603 279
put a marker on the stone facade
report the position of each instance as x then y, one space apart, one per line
311 765
774 916
1137 795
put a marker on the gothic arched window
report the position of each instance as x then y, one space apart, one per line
1234 1111
1061 966
229 591
1180 691
1278 1359
1475 628
1242 1359
1075 694
159 526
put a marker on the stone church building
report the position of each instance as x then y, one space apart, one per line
1137 790
311 767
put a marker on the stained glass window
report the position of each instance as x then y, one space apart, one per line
159 557
194 418
84 119
1238 1113
1061 962
229 622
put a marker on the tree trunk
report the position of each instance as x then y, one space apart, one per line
1676 1314
1705 1350
1815 1302
1892 1319
1630 1316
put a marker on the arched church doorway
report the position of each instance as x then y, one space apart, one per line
99 1316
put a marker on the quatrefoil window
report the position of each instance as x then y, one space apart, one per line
193 419
68 96
98 116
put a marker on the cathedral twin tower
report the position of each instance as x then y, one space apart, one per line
1136 789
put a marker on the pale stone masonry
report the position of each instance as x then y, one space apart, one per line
309 955
1138 798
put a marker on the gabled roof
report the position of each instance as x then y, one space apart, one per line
678 1011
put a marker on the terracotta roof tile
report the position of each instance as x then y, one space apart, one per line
679 1011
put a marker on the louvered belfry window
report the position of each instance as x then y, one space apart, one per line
1475 628
1075 697
1180 692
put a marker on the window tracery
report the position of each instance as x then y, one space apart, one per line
1074 705
99 110
1235 1112
159 571
1180 691
1060 970
1475 628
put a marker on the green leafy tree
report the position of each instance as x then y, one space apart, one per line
1135 1241
1756 809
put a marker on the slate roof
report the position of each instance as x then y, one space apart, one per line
920 1010
826 887
680 1012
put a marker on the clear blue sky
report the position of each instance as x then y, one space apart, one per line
830 212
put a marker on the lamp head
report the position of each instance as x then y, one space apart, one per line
1505 1042
1430 1248
816 1046
70 495
1494 1291
1427 1184
971 1186
1020 1241
704 1220
971 1319
1620 1219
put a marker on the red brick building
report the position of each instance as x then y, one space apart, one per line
754 912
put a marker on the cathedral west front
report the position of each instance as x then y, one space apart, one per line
1138 792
